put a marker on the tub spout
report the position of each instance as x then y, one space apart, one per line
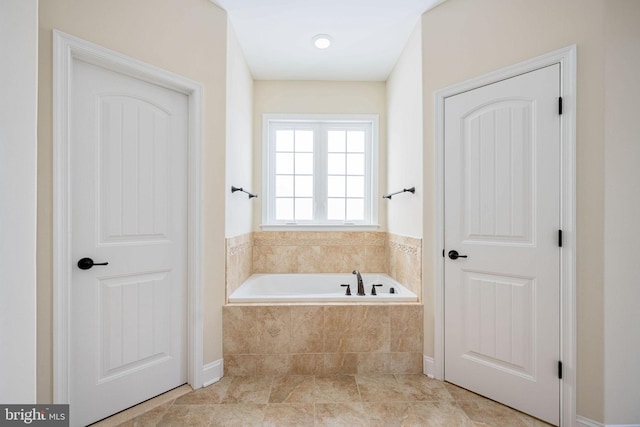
360 284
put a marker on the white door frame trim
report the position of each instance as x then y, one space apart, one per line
566 57
65 49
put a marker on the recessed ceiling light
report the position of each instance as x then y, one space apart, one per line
322 41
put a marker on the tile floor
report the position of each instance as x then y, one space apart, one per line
341 400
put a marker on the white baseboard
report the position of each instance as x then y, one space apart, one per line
429 366
212 372
586 422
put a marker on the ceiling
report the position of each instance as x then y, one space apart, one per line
368 36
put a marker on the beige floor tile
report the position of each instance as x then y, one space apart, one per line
437 414
460 394
249 390
123 418
491 413
386 414
237 415
328 400
380 388
340 415
150 418
292 389
187 415
422 388
335 388
289 415
531 422
210 395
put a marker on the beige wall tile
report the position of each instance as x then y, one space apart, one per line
373 363
324 252
307 327
239 330
406 328
356 329
273 328
375 259
239 260
273 364
307 364
405 261
240 365
323 339
340 363
318 252
405 363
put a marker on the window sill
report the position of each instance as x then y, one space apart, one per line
318 227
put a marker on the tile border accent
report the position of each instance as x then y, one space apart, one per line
407 245
319 238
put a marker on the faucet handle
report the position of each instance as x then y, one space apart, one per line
348 292
373 288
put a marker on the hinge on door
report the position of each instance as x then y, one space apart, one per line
560 105
443 253
559 369
560 238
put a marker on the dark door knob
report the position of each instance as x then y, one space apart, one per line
87 263
453 254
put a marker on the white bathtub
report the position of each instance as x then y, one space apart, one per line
321 288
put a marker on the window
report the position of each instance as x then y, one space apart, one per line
320 170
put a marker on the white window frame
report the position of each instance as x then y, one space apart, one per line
271 122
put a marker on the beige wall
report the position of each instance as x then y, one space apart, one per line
404 140
622 210
187 37
18 171
239 153
318 97
466 38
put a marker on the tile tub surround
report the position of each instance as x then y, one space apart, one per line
238 266
324 252
319 252
404 256
322 339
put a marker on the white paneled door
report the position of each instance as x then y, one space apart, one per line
129 212
502 255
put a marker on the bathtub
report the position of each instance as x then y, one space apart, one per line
318 288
